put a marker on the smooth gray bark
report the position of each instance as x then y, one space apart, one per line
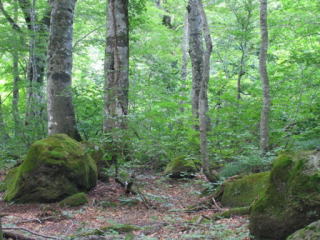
61 116
16 80
3 133
200 59
196 53
265 112
117 66
38 34
15 65
15 93
210 174
184 64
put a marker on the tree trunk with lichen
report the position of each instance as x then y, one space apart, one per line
16 80
200 59
61 115
3 133
38 39
265 112
117 78
196 53
117 66
184 65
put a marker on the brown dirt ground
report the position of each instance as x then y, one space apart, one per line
109 205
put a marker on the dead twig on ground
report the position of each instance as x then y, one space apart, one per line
145 201
16 236
29 231
216 204
37 220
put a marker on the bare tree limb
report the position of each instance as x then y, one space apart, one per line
13 24
77 42
29 231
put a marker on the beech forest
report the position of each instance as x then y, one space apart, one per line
159 119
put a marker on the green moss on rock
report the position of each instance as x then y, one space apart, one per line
54 168
292 198
242 192
310 232
75 200
181 167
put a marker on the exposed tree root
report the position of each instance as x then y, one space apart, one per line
232 212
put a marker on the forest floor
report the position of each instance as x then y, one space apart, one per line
164 215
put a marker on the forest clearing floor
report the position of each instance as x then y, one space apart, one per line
168 218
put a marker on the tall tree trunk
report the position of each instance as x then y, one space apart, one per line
196 53
210 174
38 34
241 71
15 93
16 80
1 233
184 64
117 66
264 121
200 58
117 77
3 133
61 116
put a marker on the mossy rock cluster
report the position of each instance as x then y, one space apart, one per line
54 168
243 191
181 167
292 198
310 232
9 178
74 200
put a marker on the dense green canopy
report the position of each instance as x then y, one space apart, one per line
160 119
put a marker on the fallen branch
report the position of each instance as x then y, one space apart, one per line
29 231
216 204
145 201
37 220
16 236
240 211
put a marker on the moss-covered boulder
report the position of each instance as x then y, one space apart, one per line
74 200
292 198
243 191
180 167
9 178
54 168
310 232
